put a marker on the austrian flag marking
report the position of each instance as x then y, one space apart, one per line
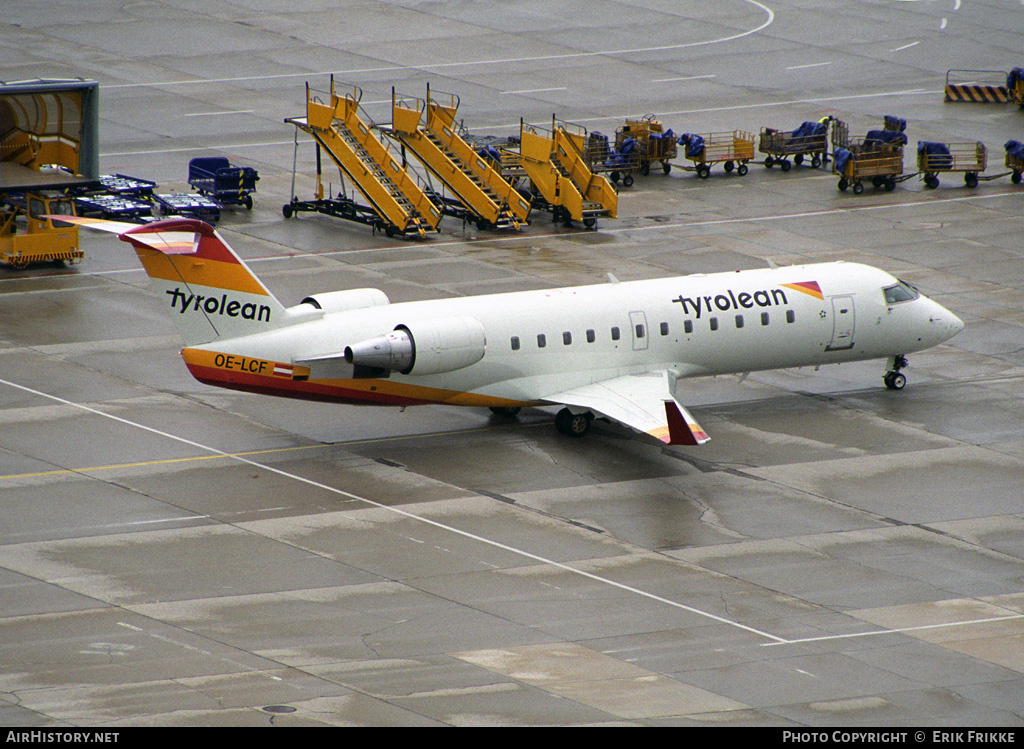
283 370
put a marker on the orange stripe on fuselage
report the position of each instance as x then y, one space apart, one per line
217 274
257 375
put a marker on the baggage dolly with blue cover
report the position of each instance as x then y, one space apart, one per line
810 139
878 156
733 149
1015 159
934 158
215 177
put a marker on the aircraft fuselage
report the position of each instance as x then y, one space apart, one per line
531 344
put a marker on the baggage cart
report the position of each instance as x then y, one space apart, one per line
215 177
191 206
1015 160
113 207
120 184
1015 86
935 158
810 139
653 143
732 149
619 161
882 163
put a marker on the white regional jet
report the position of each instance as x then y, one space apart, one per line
612 349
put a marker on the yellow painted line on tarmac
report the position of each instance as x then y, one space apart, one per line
250 453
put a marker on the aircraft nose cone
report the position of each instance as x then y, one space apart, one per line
955 324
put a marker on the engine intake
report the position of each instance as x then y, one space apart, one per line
421 348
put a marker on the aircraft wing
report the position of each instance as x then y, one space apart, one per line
644 402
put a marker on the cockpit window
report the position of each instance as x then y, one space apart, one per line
901 292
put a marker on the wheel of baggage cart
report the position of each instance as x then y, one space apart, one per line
971 179
729 166
628 180
785 165
645 168
798 159
816 161
931 181
286 209
703 170
666 167
890 184
858 188
769 162
843 184
247 202
742 169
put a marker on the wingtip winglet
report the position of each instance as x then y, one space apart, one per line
683 429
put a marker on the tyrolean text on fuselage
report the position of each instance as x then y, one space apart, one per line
730 300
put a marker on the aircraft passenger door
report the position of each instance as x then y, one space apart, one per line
638 323
843 323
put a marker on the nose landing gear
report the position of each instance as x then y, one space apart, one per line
893 378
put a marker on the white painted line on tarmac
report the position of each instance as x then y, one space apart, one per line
685 78
467 63
905 46
534 90
900 630
398 511
221 114
812 65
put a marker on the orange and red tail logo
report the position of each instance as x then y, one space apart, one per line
192 252
810 288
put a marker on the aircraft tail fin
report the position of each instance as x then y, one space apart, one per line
211 292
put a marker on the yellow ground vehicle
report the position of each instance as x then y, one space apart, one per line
27 236
49 144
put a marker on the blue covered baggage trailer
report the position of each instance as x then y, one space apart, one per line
217 178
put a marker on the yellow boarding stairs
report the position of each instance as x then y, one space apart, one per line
553 160
387 186
474 180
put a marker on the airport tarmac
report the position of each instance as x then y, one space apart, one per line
838 554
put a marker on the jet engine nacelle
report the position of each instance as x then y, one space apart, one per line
422 348
344 301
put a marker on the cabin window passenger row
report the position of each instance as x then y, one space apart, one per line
616 333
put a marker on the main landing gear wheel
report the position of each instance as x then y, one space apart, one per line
894 379
507 412
573 425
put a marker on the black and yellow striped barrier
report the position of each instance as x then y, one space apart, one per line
976 92
979 86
